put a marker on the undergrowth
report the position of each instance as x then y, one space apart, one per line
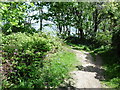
26 62
112 68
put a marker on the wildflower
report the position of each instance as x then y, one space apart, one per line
15 70
15 53
0 51
11 71
46 55
16 49
36 52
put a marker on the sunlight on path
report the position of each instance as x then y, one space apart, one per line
89 73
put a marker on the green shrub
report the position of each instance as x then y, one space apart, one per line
23 55
103 38
9 28
113 83
112 68
27 64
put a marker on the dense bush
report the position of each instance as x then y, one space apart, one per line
103 38
112 68
116 41
93 40
99 39
73 39
23 59
9 28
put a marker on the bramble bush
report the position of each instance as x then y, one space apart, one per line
23 60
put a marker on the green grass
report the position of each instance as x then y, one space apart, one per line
79 47
67 58
113 83
61 64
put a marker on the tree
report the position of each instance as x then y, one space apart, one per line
14 16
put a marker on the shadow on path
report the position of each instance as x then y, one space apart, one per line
99 72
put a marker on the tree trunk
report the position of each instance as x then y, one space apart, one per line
68 30
40 24
40 13
96 27
60 28
95 20
81 33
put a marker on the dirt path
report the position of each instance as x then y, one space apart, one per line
89 72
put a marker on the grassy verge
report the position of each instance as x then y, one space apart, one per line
55 72
79 47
